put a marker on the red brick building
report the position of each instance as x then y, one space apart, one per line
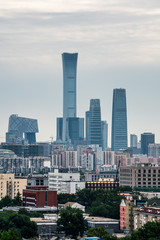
39 198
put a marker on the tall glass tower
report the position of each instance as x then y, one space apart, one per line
119 120
69 61
93 123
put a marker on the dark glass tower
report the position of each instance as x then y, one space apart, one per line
146 139
93 123
119 120
69 61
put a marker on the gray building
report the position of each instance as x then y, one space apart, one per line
133 141
93 123
146 139
154 150
104 135
19 126
119 120
69 89
141 175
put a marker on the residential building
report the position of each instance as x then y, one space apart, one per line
10 185
58 181
89 160
146 139
69 89
144 215
93 123
108 158
119 120
141 175
127 212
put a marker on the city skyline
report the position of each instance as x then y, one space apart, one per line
118 46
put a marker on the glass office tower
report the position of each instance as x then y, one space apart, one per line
119 120
69 61
93 123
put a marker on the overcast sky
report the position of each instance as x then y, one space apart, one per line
118 42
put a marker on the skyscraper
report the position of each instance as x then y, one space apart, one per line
133 141
119 120
104 135
146 139
19 126
93 123
69 89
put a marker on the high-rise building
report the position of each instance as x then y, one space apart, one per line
133 141
59 128
93 123
75 129
119 120
146 139
104 135
69 89
19 126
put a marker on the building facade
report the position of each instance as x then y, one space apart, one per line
154 150
69 89
18 126
141 175
146 139
104 135
133 141
119 120
93 123
10 185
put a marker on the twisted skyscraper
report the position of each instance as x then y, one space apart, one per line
119 120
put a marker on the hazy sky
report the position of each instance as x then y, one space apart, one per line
118 42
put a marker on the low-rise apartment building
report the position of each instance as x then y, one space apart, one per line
10 186
144 215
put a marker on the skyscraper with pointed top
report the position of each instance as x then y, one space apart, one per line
119 120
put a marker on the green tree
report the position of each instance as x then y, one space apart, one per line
11 234
6 202
17 201
21 223
71 222
98 232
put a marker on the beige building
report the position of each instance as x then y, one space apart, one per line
144 215
141 175
9 185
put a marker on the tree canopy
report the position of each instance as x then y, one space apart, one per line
71 222
7 201
99 202
17 223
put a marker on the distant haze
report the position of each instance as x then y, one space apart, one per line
118 43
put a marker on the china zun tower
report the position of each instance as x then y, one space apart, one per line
119 120
69 89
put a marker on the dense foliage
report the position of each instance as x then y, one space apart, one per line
99 202
150 231
8 201
71 222
20 225
101 233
